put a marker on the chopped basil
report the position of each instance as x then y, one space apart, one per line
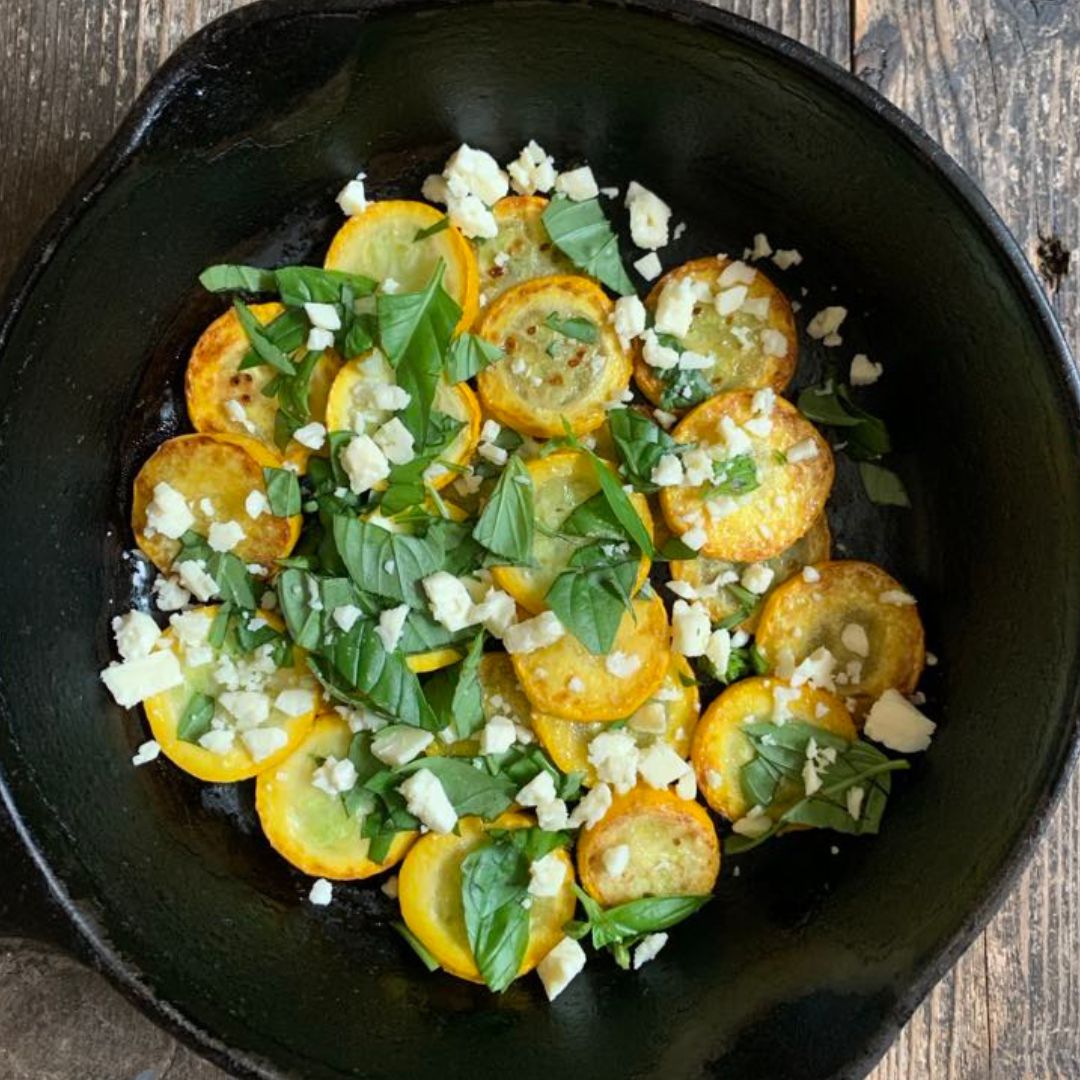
288 332
231 576
735 476
506 527
574 326
432 230
882 485
390 565
227 277
454 693
593 593
595 520
282 491
427 958
195 720
582 233
473 792
262 343
683 388
747 605
866 436
640 444
469 355
299 285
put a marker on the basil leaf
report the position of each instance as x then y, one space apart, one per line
866 435
683 388
582 233
282 491
288 332
261 343
234 582
882 485
427 958
474 792
226 277
520 764
421 633
432 230
494 880
533 842
645 916
195 720
359 337
594 519
299 285
576 327
455 695
308 603
391 565
620 504
219 628
735 476
506 526
470 354
640 444
673 550
592 595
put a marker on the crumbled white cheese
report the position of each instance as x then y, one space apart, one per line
656 355
649 217
773 342
629 318
295 701
323 316
826 322
690 628
578 184
249 707
616 859
718 650
755 823
352 198
668 471
391 624
490 430
675 307
451 604
804 450
695 538
552 815
261 742
897 597
390 887
389 398
817 669
786 258
855 797
650 719
364 463
399 744
757 307
757 578
136 680
897 724
225 535
560 967
622 665
147 752
539 790
426 799
762 249
736 273
395 440
334 777
168 513
728 301
532 634
322 892
648 266
498 735
169 594
864 372
811 575
469 214
496 612
532 171
489 451
854 638
590 811
660 765
614 755
319 340
648 949
218 741
546 875
136 634
345 616
256 504
312 435
475 172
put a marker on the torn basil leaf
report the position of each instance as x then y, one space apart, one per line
282 491
882 485
469 354
576 327
506 526
582 233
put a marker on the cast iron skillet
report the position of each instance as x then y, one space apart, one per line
807 963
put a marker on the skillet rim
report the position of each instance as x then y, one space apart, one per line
90 942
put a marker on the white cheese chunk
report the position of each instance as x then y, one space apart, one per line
616 859
629 318
590 811
648 266
668 471
262 742
649 217
728 301
552 815
468 214
399 744
762 249
136 680
785 258
168 512
648 949
450 602
352 198
854 638
532 171
539 790
826 322
136 634
690 628
864 372
650 719
498 735
560 967
804 450
295 701
225 535
897 597
256 504
695 538
546 875
426 799
389 398
533 634
169 594
489 451
322 892
319 340
345 616
324 316
614 755
718 650
496 612
391 624
662 357
476 172
147 752
817 669
578 184
660 765
757 578
312 435
334 777
773 342
896 723
395 440
622 665
364 464
675 307
754 824
249 707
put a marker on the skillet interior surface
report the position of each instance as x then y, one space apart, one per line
806 962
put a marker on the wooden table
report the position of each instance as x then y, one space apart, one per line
997 82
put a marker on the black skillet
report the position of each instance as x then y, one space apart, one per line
807 963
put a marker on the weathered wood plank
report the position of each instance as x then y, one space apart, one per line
997 83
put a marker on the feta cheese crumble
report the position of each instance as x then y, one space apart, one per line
168 513
426 799
560 967
648 266
532 634
690 628
649 217
322 892
546 875
894 722
648 949
577 184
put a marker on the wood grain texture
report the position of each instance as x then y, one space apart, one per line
997 82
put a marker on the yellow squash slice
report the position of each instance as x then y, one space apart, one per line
673 708
213 473
352 406
222 398
382 244
566 680
210 671
548 376
861 614
709 577
429 891
561 482
754 346
522 249
310 827
672 844
793 484
720 749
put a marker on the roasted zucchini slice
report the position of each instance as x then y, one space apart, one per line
561 482
522 249
213 725
720 749
222 398
861 614
672 846
709 578
769 481
563 361
670 716
754 345
355 400
429 891
214 475
382 243
310 826
565 680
